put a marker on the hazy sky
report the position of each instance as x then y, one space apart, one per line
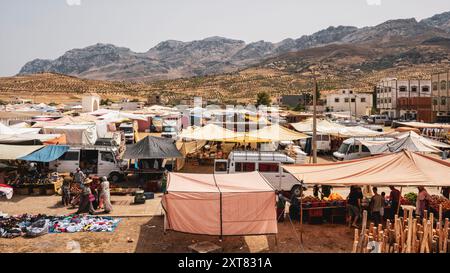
32 29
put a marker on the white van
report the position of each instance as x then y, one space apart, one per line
323 143
99 161
267 163
352 148
378 119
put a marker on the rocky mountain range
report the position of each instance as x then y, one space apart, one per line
216 55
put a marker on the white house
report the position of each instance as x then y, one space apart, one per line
346 100
90 102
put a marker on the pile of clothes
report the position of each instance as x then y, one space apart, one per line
37 225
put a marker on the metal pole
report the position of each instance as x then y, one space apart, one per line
314 138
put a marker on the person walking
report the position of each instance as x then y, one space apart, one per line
376 206
86 199
65 188
354 206
281 206
394 197
105 195
445 192
423 199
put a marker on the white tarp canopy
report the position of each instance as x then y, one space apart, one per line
76 134
423 125
331 128
13 152
7 130
119 116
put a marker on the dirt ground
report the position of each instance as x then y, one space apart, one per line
147 236
145 229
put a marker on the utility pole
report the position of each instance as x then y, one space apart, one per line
314 138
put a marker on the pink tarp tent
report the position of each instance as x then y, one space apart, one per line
221 204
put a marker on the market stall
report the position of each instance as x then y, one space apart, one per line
220 204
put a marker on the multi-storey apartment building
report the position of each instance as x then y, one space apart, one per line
441 97
345 100
407 99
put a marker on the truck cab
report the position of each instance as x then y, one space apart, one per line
267 163
128 130
99 161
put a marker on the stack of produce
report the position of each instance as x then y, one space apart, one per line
310 199
410 198
334 197
405 235
437 200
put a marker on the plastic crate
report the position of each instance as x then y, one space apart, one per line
149 195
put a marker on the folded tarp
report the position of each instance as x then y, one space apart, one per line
220 204
152 148
399 169
46 154
14 152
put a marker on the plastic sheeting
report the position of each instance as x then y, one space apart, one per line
152 148
221 204
47 154
399 169
6 130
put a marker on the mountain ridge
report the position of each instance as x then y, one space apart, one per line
214 55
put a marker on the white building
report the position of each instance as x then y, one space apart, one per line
389 90
348 101
90 103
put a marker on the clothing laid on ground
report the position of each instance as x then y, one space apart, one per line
36 225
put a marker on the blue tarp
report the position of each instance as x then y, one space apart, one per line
46 154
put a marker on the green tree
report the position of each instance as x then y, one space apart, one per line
263 98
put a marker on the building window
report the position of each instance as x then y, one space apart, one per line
435 102
403 89
353 100
425 89
443 85
378 101
351 92
346 100
343 91
414 89
435 86
389 100
336 100
363 99
443 100
390 89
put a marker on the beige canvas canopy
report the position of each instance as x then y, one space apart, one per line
220 204
399 169
272 133
13 152
423 125
209 132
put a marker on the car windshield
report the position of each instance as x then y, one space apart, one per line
344 148
169 129
127 130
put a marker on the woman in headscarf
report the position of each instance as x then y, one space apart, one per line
106 195
86 199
